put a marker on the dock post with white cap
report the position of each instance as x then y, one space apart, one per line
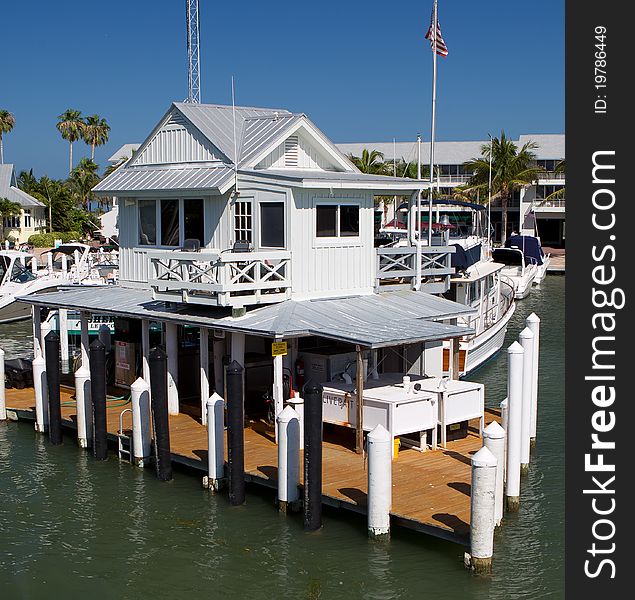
84 406
526 338
482 511
40 388
494 441
215 479
379 442
141 438
514 424
533 322
288 424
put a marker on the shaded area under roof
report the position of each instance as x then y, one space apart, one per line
373 321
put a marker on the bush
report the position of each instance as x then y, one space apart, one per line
47 240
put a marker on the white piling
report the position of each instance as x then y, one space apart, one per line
172 349
504 420
141 440
494 441
379 449
297 404
288 425
3 399
533 322
49 261
63 332
104 336
215 408
64 263
514 423
84 407
40 388
526 338
482 511
36 316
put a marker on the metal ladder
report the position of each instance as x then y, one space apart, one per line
124 441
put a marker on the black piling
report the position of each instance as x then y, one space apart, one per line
235 434
312 456
53 366
97 363
158 360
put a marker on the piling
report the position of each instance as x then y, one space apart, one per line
160 416
36 316
62 314
52 353
533 322
504 406
235 434
172 349
141 438
104 336
97 362
312 456
482 511
526 338
297 403
494 441
288 424
215 408
379 450
3 400
40 389
514 423
84 407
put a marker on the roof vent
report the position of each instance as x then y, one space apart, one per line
291 151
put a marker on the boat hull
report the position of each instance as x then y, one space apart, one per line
14 311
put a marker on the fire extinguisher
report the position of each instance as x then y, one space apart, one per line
299 371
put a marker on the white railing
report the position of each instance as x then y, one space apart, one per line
397 267
553 203
235 279
559 175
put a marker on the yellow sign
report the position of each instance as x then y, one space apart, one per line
278 348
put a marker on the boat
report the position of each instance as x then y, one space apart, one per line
533 253
18 277
518 270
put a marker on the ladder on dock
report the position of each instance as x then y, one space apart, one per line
123 439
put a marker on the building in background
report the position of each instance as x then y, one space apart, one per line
32 217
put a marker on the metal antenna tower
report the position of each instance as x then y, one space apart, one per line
193 54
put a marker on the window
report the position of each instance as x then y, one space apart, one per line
170 223
272 224
27 218
194 220
333 220
243 222
147 222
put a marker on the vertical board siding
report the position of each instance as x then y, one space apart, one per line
306 155
175 144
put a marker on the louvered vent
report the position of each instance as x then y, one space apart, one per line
291 151
176 119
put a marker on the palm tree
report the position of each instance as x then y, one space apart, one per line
371 161
71 126
83 179
8 208
512 169
95 132
7 122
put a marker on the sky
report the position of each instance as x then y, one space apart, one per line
360 71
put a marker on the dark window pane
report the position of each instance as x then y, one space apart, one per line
272 224
194 221
349 221
147 222
169 222
326 219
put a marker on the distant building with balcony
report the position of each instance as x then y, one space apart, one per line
536 209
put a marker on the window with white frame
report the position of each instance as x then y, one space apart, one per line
169 222
243 222
27 217
336 220
12 222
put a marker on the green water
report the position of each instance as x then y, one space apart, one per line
73 527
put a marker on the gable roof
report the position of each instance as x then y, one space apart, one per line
9 188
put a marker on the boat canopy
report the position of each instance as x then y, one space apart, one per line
512 257
463 259
529 246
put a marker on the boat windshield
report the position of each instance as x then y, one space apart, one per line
509 257
5 262
21 273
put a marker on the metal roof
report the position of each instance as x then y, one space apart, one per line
153 178
9 188
376 320
550 146
124 152
260 132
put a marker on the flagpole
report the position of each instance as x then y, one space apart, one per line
489 200
434 109
418 230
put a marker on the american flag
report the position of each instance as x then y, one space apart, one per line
442 49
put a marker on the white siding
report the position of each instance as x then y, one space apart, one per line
305 155
175 143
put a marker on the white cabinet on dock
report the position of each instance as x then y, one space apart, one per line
400 408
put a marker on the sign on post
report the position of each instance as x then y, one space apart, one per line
278 348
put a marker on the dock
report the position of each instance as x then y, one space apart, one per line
431 490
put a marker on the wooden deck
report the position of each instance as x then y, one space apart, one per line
431 490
